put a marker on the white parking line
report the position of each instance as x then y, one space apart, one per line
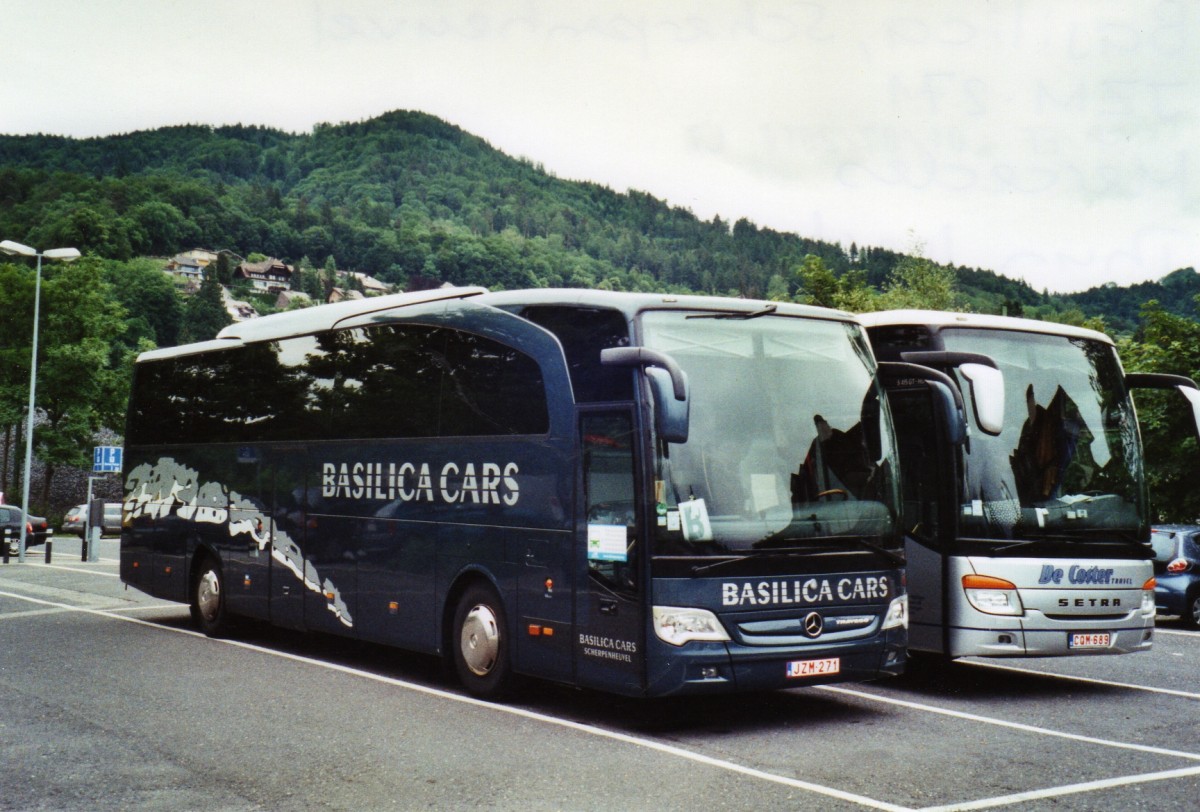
729 766
1068 789
625 738
81 569
1072 678
991 720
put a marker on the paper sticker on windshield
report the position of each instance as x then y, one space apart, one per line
765 494
694 516
606 542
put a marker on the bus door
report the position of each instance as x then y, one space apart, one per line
928 529
610 614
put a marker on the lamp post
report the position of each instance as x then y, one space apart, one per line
62 255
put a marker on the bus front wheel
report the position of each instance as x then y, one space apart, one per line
208 598
481 646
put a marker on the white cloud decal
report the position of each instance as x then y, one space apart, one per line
167 487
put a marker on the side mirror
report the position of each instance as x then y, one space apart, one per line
671 416
1184 385
947 402
668 386
987 395
983 376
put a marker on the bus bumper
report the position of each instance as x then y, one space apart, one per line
698 668
1024 642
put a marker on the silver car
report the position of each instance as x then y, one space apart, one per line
76 519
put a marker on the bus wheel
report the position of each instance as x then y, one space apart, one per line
481 649
208 598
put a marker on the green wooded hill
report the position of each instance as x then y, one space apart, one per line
405 197
415 201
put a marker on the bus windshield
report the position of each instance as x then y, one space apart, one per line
1067 465
789 448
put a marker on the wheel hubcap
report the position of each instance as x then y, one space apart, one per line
480 640
208 595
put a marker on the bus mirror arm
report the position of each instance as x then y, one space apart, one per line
668 384
982 374
643 357
1158 380
948 400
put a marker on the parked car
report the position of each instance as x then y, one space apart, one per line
36 528
76 520
1177 571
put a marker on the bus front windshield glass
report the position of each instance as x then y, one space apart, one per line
1067 465
788 446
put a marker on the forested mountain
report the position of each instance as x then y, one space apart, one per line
415 202
411 200
1121 306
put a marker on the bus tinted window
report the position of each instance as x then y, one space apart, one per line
583 333
490 389
386 381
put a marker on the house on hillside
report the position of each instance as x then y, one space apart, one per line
289 299
272 275
370 285
342 294
237 310
191 264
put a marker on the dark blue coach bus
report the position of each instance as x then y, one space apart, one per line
639 493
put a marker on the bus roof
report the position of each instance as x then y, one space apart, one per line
327 317
632 303
940 319
309 320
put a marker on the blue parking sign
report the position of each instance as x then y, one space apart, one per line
106 459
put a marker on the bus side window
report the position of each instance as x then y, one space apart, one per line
610 493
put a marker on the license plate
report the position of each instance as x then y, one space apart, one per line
812 668
1090 640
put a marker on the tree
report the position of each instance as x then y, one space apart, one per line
204 314
150 299
1167 343
82 383
917 282
16 302
818 285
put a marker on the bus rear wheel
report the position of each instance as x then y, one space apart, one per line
481 647
208 598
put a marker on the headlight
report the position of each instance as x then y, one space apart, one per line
676 625
994 596
897 614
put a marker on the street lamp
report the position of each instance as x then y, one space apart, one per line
62 255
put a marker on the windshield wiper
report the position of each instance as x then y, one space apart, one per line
1094 535
736 314
760 554
890 555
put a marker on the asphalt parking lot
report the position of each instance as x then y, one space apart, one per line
113 701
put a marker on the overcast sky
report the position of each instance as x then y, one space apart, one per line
1056 141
